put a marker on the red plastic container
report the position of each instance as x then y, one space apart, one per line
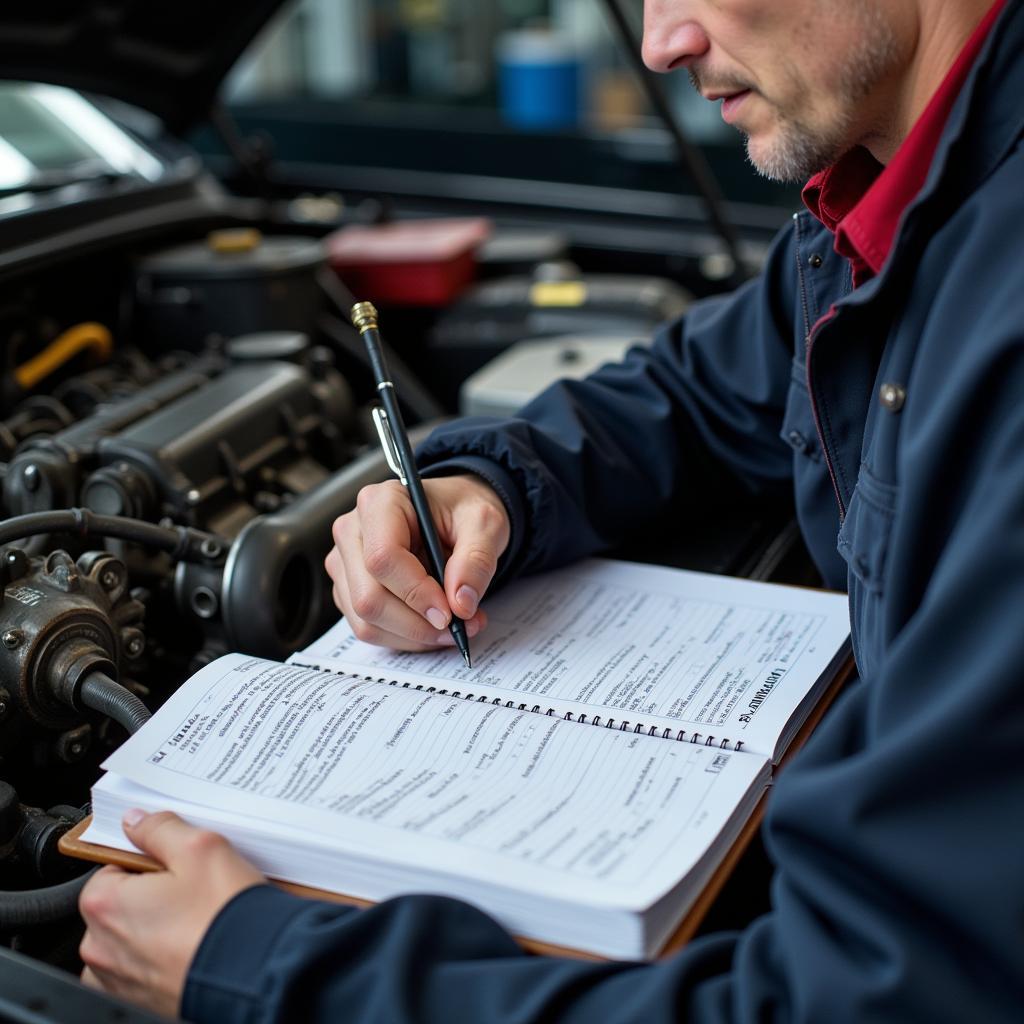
409 263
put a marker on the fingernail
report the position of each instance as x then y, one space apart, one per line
133 817
437 618
468 598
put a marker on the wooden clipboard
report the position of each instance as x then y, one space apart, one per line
72 845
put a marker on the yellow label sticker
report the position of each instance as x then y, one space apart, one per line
233 240
558 293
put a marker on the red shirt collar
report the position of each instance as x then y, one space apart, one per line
861 201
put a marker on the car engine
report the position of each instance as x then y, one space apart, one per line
164 500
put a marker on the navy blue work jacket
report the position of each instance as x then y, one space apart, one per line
898 832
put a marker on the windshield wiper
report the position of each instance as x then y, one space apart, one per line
82 172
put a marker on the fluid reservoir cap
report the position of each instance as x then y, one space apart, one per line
288 346
232 240
191 262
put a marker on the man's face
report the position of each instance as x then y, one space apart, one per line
803 80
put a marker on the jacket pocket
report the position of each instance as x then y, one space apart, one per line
864 536
863 543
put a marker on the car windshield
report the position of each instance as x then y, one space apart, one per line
50 137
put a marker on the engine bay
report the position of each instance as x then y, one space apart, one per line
182 422
161 505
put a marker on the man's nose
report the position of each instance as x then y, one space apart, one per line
669 41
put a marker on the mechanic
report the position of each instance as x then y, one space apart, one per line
897 419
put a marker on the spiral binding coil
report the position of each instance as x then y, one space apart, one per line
681 736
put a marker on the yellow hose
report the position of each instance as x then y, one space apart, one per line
63 348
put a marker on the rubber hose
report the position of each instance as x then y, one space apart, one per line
179 541
101 693
33 907
61 350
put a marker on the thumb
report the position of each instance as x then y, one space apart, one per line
481 534
163 836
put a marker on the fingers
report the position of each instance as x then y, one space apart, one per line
100 904
382 587
99 979
168 839
380 555
142 930
376 615
89 979
101 893
482 532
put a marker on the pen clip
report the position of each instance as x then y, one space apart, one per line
387 442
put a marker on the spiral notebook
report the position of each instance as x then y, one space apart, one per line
582 782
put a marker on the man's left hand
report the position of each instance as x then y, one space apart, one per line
143 930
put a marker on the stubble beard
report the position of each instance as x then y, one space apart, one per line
799 149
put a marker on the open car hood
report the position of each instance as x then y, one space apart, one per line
167 57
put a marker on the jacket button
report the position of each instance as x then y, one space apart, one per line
814 260
798 441
892 396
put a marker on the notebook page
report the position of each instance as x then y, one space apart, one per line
663 650
413 779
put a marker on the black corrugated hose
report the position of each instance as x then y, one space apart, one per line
101 693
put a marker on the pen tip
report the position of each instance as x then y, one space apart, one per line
465 655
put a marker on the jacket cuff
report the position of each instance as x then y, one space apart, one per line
504 486
225 979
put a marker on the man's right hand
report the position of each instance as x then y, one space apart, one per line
378 563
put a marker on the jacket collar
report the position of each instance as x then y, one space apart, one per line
984 125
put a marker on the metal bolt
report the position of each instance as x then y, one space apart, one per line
135 646
210 548
74 743
30 477
12 638
110 578
66 578
192 497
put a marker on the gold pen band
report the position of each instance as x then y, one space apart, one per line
364 317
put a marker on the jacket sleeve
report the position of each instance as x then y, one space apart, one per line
274 957
695 416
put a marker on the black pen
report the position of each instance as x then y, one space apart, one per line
398 452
